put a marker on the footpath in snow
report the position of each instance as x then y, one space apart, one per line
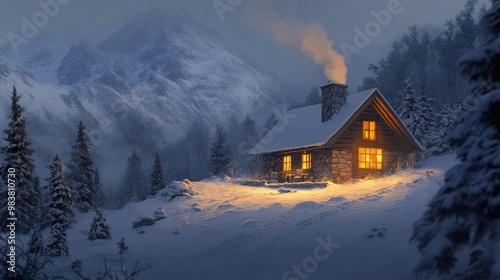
352 231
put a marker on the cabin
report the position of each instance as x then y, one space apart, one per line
346 136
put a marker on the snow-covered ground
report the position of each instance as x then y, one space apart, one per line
229 231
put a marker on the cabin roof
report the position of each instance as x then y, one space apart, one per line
303 127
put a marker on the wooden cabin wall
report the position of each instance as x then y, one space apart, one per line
352 139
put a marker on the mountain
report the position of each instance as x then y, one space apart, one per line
140 86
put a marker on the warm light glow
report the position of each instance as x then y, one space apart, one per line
306 161
287 163
370 158
369 130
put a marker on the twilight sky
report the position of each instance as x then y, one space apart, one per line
235 20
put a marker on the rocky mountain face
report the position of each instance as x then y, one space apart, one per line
141 86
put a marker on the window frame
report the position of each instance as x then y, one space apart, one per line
287 163
369 160
371 132
307 164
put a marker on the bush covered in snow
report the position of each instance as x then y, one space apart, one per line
176 189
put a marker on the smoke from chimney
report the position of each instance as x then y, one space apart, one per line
309 38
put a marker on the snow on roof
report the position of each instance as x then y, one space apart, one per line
303 127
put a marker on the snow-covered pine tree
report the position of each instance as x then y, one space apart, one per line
247 139
18 156
314 97
37 192
60 214
271 121
99 229
122 247
409 113
459 234
157 176
35 245
427 117
198 137
81 172
34 257
459 107
134 185
99 197
220 156
45 202
445 120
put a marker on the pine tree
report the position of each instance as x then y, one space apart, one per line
198 137
157 176
99 229
99 197
35 245
314 97
458 235
18 157
81 172
35 258
409 113
247 139
122 247
427 117
45 204
271 121
220 156
60 215
440 136
133 187
459 107
39 200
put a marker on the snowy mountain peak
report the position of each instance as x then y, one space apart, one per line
150 79
78 64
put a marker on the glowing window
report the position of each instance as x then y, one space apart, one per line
306 161
370 158
369 130
287 163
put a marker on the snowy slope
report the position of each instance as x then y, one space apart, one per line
255 233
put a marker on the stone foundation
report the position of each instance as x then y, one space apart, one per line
322 162
327 165
341 166
342 161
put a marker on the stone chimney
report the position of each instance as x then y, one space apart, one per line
333 97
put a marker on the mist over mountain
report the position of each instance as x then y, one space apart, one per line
141 86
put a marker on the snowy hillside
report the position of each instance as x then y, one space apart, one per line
148 81
228 231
